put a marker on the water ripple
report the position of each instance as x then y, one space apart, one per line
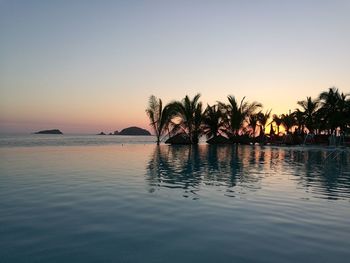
143 203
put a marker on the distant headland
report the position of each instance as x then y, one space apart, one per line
53 131
133 130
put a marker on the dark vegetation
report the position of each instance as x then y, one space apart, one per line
314 121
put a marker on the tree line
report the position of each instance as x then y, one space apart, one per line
327 114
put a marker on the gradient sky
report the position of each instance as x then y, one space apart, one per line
87 66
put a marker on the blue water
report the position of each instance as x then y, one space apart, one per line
136 202
33 140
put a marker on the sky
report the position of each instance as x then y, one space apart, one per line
90 66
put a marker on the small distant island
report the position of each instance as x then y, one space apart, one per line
53 131
133 131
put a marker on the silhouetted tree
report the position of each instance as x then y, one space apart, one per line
329 111
190 114
288 121
278 121
212 121
263 118
237 113
158 116
309 112
253 123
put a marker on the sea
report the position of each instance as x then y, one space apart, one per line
88 198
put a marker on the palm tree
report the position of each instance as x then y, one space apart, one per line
263 118
190 114
329 109
309 111
158 116
237 114
347 114
212 121
288 121
278 121
253 123
299 119
343 111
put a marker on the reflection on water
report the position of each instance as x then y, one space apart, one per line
143 203
322 171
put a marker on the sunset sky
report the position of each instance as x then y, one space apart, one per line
90 66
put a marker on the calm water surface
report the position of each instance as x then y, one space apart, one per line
142 203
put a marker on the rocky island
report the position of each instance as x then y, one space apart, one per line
134 131
131 131
54 131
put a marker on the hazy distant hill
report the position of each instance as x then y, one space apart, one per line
134 131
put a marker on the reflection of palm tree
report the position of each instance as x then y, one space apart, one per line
237 114
235 167
330 175
157 165
212 158
158 116
190 114
175 167
212 121
186 166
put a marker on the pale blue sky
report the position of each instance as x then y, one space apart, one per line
91 65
